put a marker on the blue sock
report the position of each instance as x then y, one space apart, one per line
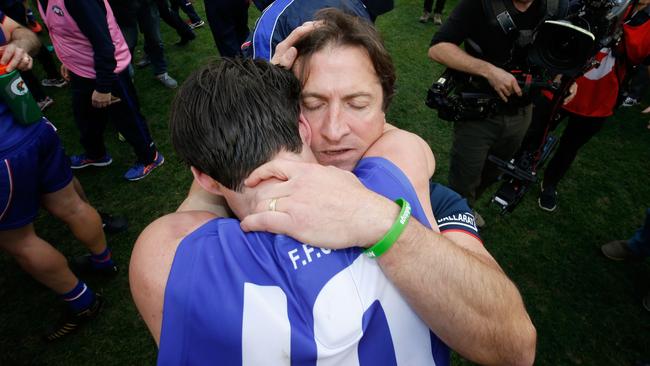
79 298
102 260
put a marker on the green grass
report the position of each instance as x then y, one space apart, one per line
586 308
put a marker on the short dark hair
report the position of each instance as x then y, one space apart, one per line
342 29
232 116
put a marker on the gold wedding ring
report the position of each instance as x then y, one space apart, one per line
272 204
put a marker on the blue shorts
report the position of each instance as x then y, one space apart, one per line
33 168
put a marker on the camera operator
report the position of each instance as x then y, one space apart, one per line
489 53
595 101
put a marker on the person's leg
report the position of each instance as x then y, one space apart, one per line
578 131
440 6
471 143
90 121
130 122
639 243
149 20
38 258
174 21
639 83
188 8
507 143
225 20
82 219
428 6
34 85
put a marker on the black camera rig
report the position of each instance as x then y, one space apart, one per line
564 43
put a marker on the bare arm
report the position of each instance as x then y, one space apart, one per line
485 319
456 58
457 288
414 157
151 261
22 43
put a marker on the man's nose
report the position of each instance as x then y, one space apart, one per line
335 126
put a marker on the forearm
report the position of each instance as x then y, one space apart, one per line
464 298
25 39
456 58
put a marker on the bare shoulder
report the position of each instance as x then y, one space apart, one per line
151 261
406 150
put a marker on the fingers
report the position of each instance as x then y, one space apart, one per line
278 169
274 222
285 52
514 85
11 56
502 95
573 89
100 100
64 73
647 110
286 59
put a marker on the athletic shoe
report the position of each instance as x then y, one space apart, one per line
437 19
185 39
167 80
34 26
139 171
143 62
113 224
198 24
479 220
82 161
629 102
59 83
547 199
82 265
425 17
72 321
617 250
44 103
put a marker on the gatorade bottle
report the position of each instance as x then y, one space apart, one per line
14 92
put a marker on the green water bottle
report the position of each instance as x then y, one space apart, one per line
14 92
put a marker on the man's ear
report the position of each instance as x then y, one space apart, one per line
304 129
206 182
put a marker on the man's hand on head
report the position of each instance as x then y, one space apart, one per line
285 53
323 206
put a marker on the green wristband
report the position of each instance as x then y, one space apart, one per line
393 233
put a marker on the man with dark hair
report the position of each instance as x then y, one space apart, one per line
261 298
344 99
441 274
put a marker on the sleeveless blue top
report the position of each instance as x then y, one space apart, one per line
235 298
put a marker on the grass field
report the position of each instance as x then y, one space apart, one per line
586 308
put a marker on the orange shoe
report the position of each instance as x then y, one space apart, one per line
35 26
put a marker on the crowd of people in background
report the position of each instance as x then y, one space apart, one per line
329 85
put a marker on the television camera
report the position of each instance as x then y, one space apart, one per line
565 43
